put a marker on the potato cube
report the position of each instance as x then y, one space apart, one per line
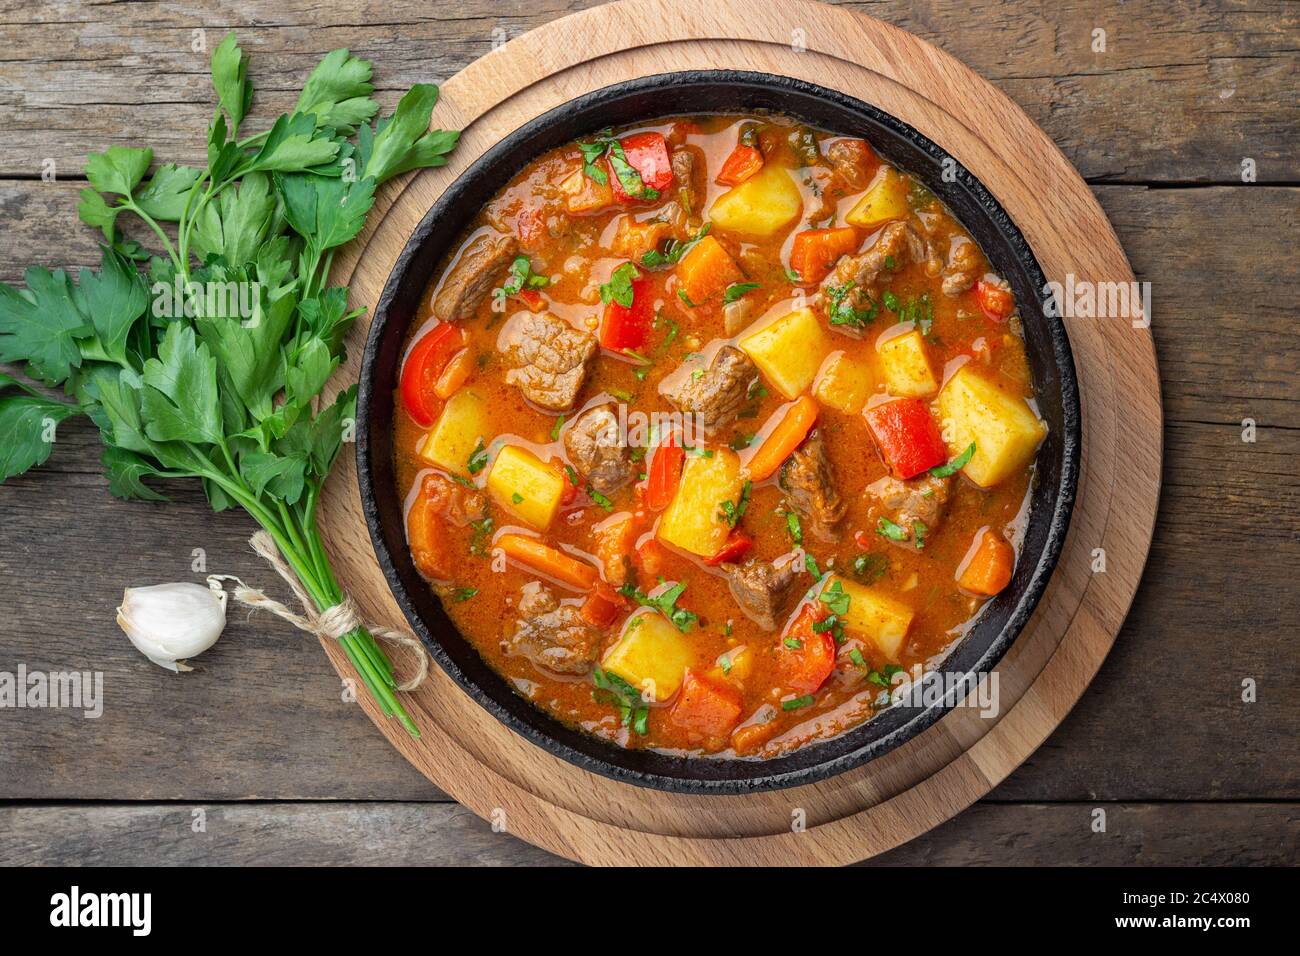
906 365
651 655
760 206
789 351
694 519
874 615
884 200
843 383
525 486
1006 433
583 194
456 433
734 665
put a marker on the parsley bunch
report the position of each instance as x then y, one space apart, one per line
210 362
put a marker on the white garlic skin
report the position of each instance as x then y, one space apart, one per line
168 623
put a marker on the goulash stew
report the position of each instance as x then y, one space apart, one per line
710 429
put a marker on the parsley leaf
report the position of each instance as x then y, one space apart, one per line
736 290
665 602
619 287
956 464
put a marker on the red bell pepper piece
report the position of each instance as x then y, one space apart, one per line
743 162
424 363
533 300
805 658
647 153
705 709
665 474
601 606
627 327
907 436
995 299
737 545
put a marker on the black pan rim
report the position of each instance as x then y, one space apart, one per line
899 723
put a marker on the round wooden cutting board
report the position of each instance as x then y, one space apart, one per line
546 801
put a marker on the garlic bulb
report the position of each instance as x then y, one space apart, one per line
169 623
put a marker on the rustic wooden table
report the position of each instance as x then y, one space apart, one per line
259 738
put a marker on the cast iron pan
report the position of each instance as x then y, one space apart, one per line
717 92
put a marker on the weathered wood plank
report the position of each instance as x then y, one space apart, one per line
1222 358
1183 92
262 715
407 834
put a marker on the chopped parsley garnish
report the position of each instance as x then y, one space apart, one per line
884 679
835 598
725 663
681 294
856 657
842 308
521 277
631 706
890 301
463 594
605 145
573 475
793 277
920 528
796 702
694 451
736 290
810 563
665 602
619 287
955 465
479 538
517 498
673 250
870 567
732 513
478 458
600 499
894 532
796 529
620 394
740 442
555 429
793 643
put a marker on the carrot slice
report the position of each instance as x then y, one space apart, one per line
456 374
784 439
816 251
988 564
706 710
705 272
542 557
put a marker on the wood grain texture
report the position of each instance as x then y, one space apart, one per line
1183 92
421 834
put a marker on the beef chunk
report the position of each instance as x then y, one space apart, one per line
472 277
552 635
718 394
809 485
922 499
598 451
548 357
897 241
683 163
846 156
963 266
762 589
